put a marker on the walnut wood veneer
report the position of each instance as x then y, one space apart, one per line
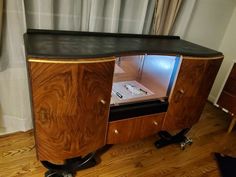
134 128
193 84
71 105
70 75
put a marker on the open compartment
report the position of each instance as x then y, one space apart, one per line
142 85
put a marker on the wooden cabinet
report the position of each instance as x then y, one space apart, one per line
71 77
193 84
71 106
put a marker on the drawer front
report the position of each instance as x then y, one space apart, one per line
227 101
151 124
134 128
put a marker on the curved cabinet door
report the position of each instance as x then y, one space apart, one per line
193 84
70 107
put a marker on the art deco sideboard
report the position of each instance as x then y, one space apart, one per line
91 89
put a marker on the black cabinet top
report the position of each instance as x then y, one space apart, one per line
74 45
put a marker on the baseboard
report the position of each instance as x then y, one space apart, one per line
10 124
211 98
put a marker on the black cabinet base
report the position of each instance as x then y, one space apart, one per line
167 139
70 167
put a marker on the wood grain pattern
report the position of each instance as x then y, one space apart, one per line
192 87
134 128
232 124
69 117
136 159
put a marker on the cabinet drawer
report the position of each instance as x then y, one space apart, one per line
134 128
227 101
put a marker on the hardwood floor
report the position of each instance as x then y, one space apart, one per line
136 159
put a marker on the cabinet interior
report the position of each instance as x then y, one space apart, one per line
141 80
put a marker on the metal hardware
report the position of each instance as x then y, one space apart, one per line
181 91
75 61
187 141
155 123
116 131
103 101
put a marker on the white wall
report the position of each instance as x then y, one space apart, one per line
229 50
210 24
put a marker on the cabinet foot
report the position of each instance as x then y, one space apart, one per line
167 139
70 167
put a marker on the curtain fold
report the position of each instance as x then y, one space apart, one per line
123 16
1 20
165 14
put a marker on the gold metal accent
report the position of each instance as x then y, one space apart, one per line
70 61
181 91
155 123
116 131
103 101
202 58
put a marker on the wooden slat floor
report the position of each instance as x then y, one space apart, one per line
136 159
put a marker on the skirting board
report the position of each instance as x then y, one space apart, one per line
11 124
211 98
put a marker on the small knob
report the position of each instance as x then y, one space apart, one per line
181 91
155 123
103 101
116 131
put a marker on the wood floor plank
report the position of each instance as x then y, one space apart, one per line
135 159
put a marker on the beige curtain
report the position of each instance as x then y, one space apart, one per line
122 16
164 17
1 17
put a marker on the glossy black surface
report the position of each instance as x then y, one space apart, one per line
137 109
75 45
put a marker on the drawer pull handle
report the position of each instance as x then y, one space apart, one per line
116 131
103 102
155 123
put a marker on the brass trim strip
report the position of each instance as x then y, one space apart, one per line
96 60
203 58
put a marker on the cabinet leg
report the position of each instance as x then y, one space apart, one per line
69 168
232 124
167 139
